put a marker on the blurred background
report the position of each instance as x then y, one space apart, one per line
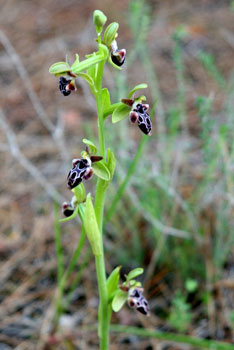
175 216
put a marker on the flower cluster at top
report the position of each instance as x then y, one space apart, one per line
88 71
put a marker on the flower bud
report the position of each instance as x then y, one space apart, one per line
137 301
67 209
99 20
110 33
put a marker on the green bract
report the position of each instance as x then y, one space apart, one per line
106 102
110 33
79 192
113 282
120 113
60 68
101 170
91 227
111 162
119 300
86 77
85 64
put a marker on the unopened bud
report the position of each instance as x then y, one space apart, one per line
110 33
99 20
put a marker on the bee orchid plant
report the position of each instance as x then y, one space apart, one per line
100 162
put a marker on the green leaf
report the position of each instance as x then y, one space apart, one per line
91 227
92 147
119 300
106 102
110 33
134 273
86 77
120 113
137 87
113 282
111 162
60 68
70 217
79 192
101 170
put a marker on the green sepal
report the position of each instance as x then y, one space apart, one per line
70 217
86 77
134 284
137 87
91 227
113 64
59 68
106 102
111 161
120 113
113 282
87 63
79 192
101 170
110 33
134 273
119 300
77 60
91 145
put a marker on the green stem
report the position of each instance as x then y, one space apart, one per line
177 338
60 261
64 277
99 210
